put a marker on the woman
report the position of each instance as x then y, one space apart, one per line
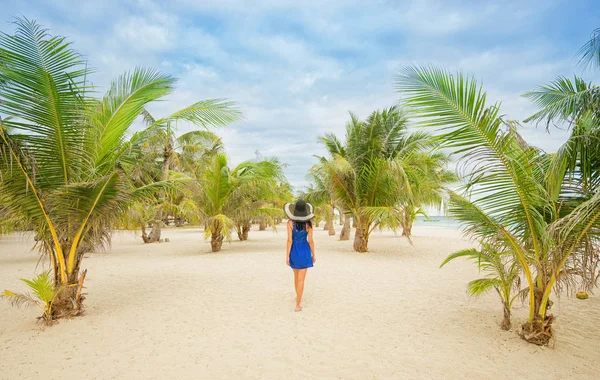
300 246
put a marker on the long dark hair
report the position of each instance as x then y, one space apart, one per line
301 226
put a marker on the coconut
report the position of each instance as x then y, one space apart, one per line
582 295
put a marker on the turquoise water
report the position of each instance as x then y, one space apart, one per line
437 221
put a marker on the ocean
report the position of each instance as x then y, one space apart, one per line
437 221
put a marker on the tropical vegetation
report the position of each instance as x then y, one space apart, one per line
71 170
380 174
516 199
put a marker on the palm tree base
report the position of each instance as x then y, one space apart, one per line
506 324
69 302
154 235
216 242
538 332
345 234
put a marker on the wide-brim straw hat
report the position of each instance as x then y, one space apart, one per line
300 211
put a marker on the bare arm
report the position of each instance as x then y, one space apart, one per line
311 243
289 242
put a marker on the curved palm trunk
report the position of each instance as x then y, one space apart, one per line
407 223
238 228
361 238
332 223
345 234
342 217
154 235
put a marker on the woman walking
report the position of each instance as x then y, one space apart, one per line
300 246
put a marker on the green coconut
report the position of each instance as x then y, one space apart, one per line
582 295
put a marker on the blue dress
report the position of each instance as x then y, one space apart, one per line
300 254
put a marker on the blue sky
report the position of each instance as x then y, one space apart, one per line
297 67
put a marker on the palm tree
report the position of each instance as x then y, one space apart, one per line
161 136
64 152
227 193
367 174
502 274
320 195
190 153
426 181
508 201
574 174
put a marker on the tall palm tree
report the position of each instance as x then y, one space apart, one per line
63 152
506 199
227 194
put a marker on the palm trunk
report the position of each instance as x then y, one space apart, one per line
506 324
238 228
345 234
538 331
361 238
245 229
332 223
216 238
68 302
262 225
154 235
342 218
327 225
407 224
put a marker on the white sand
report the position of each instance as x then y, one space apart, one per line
176 311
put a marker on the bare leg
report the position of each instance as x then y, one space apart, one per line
300 288
296 280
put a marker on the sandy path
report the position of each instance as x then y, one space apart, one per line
175 311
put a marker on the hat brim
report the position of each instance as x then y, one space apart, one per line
287 208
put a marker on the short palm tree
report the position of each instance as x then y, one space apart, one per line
427 179
44 291
161 139
190 153
227 193
320 195
367 174
63 151
502 274
507 198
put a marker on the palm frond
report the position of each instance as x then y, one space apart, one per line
563 99
589 54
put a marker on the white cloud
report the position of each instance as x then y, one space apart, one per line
297 68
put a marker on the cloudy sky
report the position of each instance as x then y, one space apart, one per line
297 67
